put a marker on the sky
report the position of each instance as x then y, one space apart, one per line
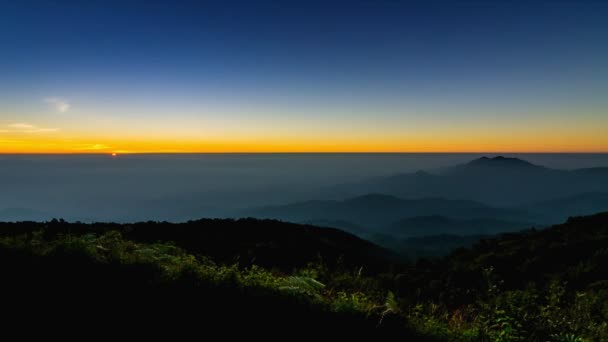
303 76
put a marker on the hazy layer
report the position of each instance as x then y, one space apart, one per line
185 186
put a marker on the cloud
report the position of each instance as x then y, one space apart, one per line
21 126
27 128
60 105
95 147
41 130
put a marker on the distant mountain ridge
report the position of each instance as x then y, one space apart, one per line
559 209
501 161
436 225
499 181
376 212
483 196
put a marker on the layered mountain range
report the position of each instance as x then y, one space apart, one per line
483 196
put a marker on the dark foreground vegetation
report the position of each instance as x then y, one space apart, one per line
268 278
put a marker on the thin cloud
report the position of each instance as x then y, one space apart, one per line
58 104
27 128
21 126
94 147
41 130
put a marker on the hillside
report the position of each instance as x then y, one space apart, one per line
77 284
535 285
417 247
265 243
575 252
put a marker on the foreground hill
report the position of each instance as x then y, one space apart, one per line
73 285
575 252
536 285
267 243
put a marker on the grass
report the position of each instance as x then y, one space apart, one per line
458 298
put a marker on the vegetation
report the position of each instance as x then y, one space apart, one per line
547 285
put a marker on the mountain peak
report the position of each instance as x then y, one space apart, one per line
500 161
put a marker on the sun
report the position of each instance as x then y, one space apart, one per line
114 154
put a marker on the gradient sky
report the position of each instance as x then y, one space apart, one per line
264 76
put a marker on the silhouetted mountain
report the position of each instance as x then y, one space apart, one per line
501 162
413 248
436 225
427 236
560 209
574 252
340 224
498 181
375 211
592 172
523 275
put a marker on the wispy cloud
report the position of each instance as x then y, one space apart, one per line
41 130
21 125
58 104
27 128
94 147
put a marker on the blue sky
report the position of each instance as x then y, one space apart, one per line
237 74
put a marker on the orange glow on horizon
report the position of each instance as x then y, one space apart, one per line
569 131
547 137
115 147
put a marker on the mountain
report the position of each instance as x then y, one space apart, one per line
376 211
430 236
574 252
498 181
560 209
340 224
524 278
436 225
502 162
414 248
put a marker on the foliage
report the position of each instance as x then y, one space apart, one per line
545 285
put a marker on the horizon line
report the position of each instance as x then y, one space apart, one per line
110 153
